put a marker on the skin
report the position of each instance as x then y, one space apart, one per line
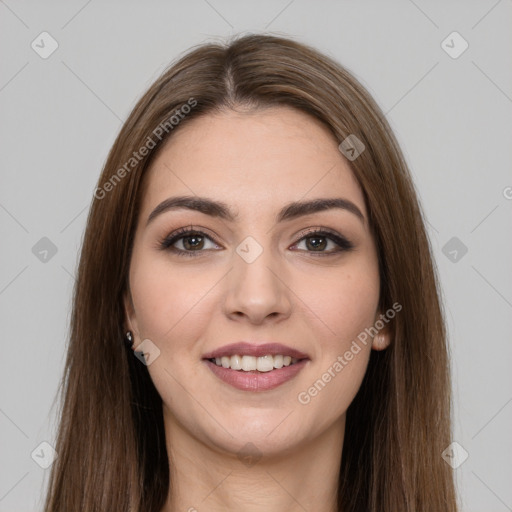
255 162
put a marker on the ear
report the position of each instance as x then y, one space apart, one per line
130 318
382 339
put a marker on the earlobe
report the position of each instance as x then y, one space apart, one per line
128 339
381 341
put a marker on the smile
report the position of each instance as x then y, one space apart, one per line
255 367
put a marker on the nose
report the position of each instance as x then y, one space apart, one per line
257 291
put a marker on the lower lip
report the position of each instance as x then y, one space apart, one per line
254 380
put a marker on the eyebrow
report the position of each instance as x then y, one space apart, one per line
221 210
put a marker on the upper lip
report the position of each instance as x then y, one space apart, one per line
243 348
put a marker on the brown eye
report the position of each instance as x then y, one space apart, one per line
192 242
318 241
186 242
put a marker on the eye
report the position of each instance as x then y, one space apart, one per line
318 240
187 241
192 242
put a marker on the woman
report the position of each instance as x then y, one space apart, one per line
256 321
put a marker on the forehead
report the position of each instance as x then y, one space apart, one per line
252 160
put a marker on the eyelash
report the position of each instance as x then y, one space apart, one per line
343 244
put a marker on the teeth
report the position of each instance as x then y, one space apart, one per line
250 363
265 363
236 363
278 361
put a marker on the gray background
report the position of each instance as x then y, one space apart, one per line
452 116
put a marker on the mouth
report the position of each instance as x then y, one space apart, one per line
251 367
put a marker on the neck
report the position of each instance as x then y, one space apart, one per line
207 478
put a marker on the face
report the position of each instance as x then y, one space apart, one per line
255 271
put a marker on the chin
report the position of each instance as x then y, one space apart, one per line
248 443
271 432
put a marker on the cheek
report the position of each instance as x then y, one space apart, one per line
345 303
166 302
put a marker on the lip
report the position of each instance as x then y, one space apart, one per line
243 348
254 380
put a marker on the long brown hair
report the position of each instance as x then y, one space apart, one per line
111 441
